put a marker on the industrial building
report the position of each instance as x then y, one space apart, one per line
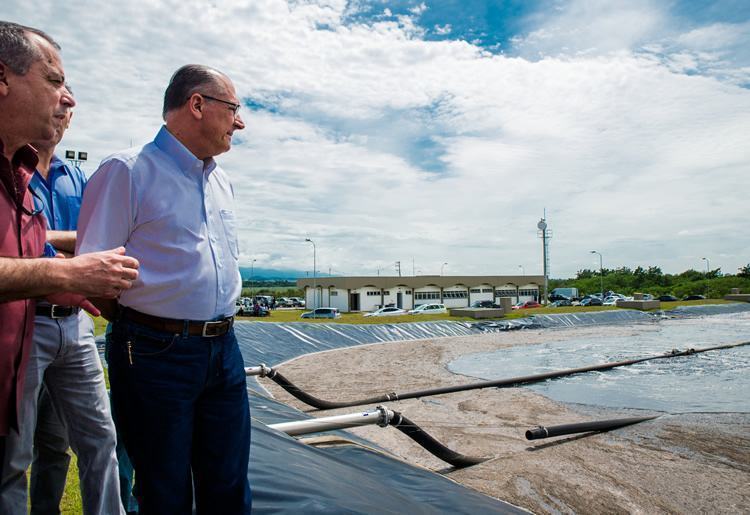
370 293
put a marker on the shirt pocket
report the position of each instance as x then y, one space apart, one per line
227 220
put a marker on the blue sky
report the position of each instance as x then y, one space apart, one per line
439 131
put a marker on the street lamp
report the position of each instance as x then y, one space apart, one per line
601 272
708 278
523 272
315 284
441 268
252 263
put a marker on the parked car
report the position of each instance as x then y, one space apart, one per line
484 304
284 302
529 304
591 301
297 302
694 297
248 308
610 301
387 311
562 302
668 298
428 309
266 300
322 313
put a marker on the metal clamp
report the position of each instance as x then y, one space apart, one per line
385 416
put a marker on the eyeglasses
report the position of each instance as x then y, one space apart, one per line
36 209
235 108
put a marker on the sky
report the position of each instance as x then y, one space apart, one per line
439 133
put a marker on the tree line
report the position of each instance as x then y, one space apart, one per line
712 284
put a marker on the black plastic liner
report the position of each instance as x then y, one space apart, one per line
288 476
707 310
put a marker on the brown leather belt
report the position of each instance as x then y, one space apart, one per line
57 311
171 325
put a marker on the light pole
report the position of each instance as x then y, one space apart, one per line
545 234
601 272
315 284
708 278
441 268
523 272
252 265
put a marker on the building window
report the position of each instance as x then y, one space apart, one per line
476 290
371 293
457 294
505 293
334 293
408 292
427 295
486 290
528 292
386 292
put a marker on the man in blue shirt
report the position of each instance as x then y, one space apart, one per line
64 367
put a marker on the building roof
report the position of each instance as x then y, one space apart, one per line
420 281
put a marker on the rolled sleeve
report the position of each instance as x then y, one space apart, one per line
106 217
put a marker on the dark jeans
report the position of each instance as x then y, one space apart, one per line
182 408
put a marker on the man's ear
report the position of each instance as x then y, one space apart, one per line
196 105
3 79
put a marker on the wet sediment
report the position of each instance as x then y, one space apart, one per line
678 463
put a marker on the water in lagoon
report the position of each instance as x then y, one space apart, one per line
717 381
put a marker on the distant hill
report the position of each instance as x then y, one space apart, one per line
271 274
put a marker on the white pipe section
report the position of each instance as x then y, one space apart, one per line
380 415
261 370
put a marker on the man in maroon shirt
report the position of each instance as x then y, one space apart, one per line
34 102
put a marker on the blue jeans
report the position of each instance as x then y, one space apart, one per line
183 413
49 468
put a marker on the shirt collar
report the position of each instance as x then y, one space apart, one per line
16 174
185 160
58 164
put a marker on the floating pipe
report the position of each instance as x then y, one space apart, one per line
382 417
323 404
583 427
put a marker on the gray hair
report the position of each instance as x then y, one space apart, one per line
17 51
186 81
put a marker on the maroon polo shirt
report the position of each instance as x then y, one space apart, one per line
21 235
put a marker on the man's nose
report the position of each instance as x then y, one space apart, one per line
67 99
238 123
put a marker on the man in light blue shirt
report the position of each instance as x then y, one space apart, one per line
176 372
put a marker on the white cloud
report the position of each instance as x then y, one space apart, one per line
386 147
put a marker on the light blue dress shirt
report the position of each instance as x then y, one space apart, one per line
175 214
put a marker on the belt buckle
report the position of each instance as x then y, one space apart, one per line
211 329
52 309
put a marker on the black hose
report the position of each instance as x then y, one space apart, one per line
499 383
582 427
429 443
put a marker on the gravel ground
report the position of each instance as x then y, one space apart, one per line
683 463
